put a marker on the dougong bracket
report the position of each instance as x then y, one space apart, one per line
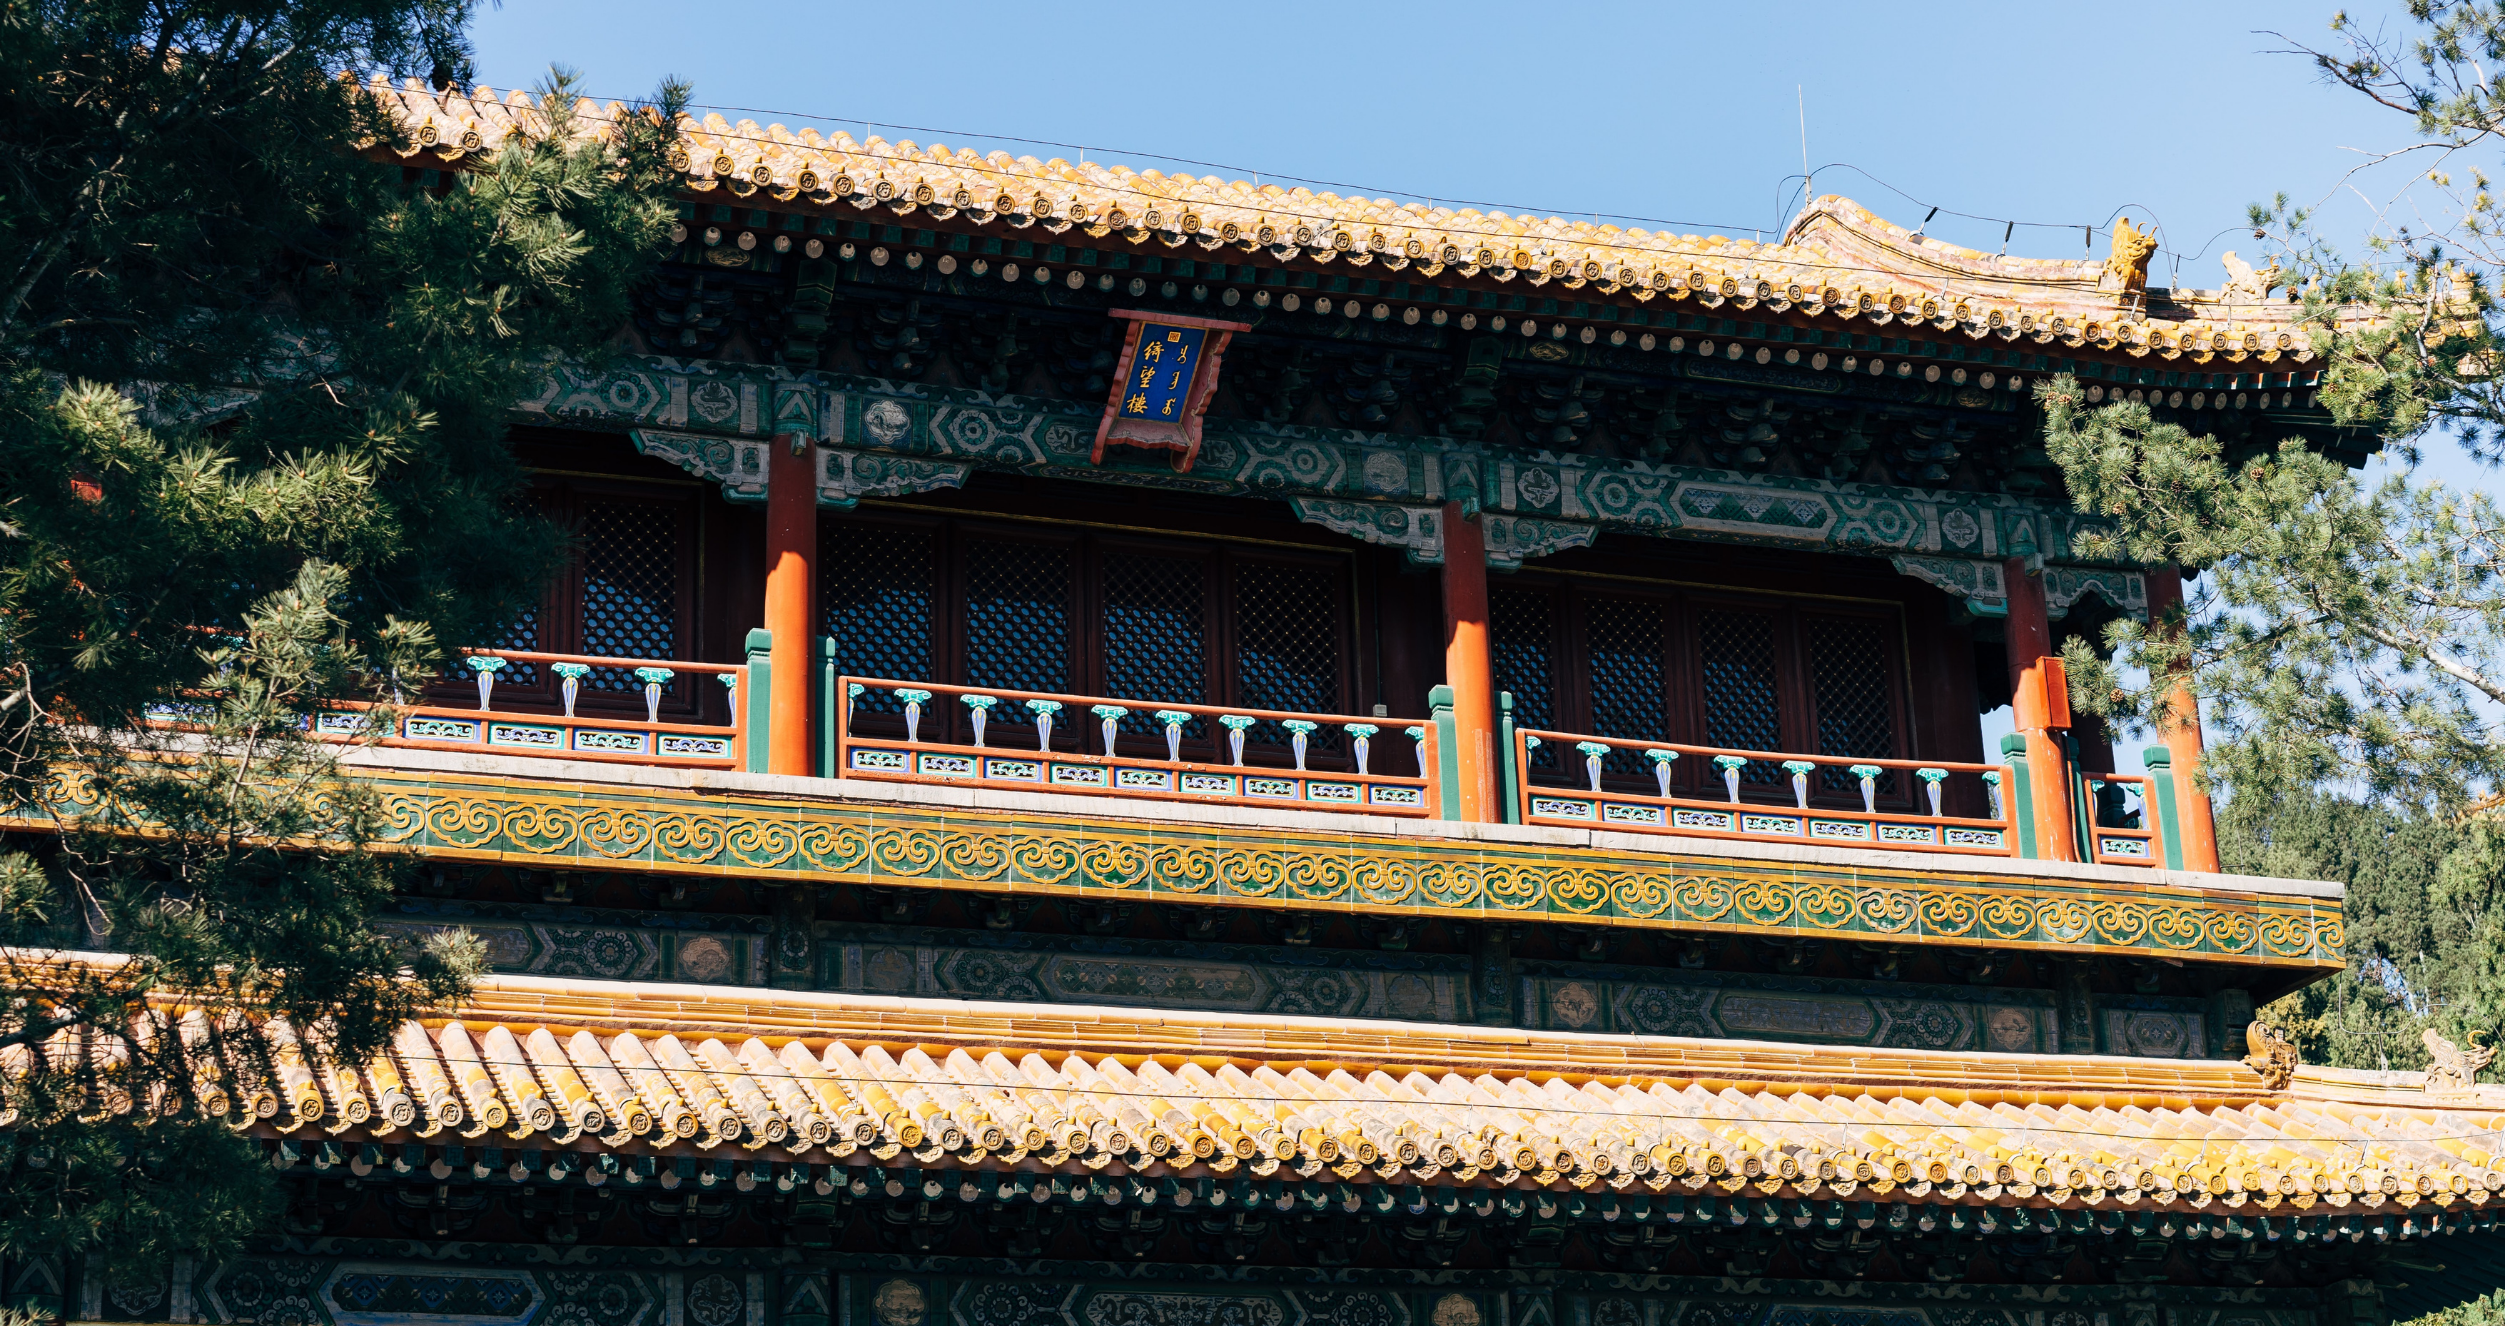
1169 370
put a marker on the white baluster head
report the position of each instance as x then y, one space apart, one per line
1417 747
653 679
1172 720
1662 760
1992 791
1043 711
1361 741
978 709
1931 784
913 701
1235 725
1799 770
570 682
485 667
1109 717
1298 731
1730 765
1869 776
1593 753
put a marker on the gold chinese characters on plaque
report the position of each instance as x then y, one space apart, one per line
1169 368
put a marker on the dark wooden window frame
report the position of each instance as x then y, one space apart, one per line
1681 606
1087 546
563 498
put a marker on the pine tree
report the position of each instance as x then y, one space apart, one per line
254 384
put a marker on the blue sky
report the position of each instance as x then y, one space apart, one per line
1688 115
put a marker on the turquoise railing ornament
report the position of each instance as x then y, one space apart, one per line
1172 720
1593 753
1992 790
852 700
1869 776
978 708
914 700
1299 730
1931 784
485 667
1730 765
1799 770
1360 740
1662 762
1417 746
1109 717
1043 711
1235 725
571 685
653 679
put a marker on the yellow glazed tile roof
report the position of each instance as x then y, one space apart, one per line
820 1078
1836 258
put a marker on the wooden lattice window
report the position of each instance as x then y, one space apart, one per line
1741 692
1156 634
627 591
1848 681
965 601
1622 646
874 602
1765 672
1522 648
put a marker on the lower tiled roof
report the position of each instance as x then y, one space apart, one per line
824 1078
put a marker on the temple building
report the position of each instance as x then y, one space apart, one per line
1137 750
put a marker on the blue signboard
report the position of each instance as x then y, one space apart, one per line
1159 385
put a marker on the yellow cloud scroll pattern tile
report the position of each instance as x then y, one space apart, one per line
819 841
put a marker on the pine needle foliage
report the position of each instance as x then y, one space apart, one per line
254 391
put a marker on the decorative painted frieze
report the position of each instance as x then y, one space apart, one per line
1983 585
2064 586
845 477
666 397
735 463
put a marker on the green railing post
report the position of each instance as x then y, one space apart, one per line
2021 794
1508 772
1439 704
2082 800
2158 806
829 717
759 700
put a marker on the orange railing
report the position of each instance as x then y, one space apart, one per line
1094 745
1787 808
2120 845
566 735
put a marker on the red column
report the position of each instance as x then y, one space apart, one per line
791 587
2182 734
2039 698
1466 664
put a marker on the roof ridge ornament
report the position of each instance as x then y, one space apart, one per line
2453 1070
2272 1055
2127 262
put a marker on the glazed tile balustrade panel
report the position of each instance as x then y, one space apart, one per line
1041 852
565 735
1596 801
1090 745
